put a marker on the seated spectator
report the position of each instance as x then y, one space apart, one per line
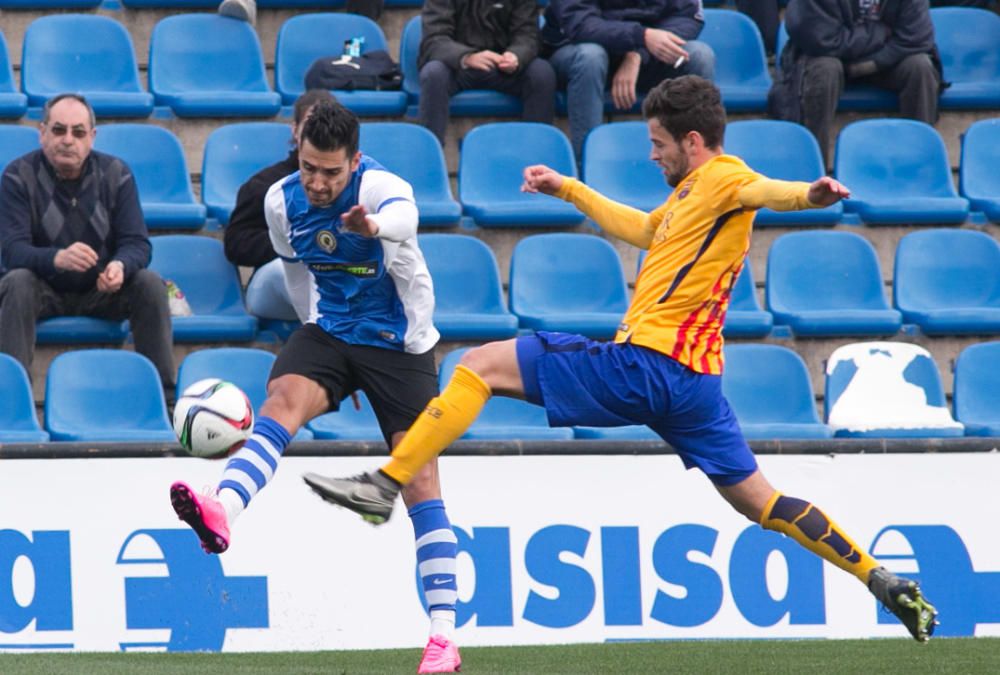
246 239
482 44
246 10
641 43
74 241
889 45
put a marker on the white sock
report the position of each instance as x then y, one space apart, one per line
232 503
443 622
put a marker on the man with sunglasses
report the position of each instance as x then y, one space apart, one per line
74 241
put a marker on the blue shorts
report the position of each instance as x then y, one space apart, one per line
605 384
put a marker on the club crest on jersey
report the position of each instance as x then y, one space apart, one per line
685 190
326 241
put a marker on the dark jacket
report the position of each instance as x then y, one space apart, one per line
40 214
246 239
839 28
618 25
453 28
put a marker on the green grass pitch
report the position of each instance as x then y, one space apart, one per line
730 657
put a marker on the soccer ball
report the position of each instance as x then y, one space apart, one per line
212 418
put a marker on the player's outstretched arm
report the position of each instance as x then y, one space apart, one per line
826 191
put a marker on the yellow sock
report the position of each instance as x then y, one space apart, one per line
445 418
810 527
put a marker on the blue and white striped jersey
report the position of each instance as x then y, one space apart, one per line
366 291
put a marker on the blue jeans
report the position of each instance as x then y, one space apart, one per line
582 69
267 295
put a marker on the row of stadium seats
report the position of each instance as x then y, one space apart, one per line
907 182
873 389
203 65
819 284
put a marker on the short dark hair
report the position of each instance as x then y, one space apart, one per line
685 104
331 126
307 100
62 97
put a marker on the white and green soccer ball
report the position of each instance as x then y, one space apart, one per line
212 418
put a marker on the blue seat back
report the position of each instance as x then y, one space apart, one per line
307 37
768 384
247 368
740 59
465 273
777 149
744 295
499 411
977 385
914 164
199 267
978 175
205 52
348 423
886 389
155 157
967 40
77 52
6 72
409 49
822 270
411 152
939 269
17 140
235 152
17 414
103 393
616 163
564 273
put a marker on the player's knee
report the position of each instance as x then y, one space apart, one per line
292 400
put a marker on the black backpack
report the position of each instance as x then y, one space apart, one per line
371 70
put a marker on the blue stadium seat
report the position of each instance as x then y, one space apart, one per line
245 367
412 152
568 282
769 389
48 5
205 65
468 296
157 161
979 181
491 169
468 103
631 432
967 39
886 390
233 153
307 37
616 163
80 330
823 283
505 418
13 104
977 389
865 97
348 424
948 281
908 181
212 4
745 318
785 151
740 62
84 53
18 422
105 395
211 285
17 140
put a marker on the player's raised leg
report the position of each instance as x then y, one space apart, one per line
292 399
809 526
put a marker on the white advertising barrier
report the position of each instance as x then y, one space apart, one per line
552 550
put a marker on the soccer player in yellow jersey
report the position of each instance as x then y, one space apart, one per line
664 367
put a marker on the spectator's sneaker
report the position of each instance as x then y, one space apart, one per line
369 494
903 598
440 656
244 10
204 513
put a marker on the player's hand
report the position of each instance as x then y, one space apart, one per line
508 62
540 178
485 60
624 81
826 192
77 257
664 45
356 220
111 277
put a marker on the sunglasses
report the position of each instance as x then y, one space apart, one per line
62 130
